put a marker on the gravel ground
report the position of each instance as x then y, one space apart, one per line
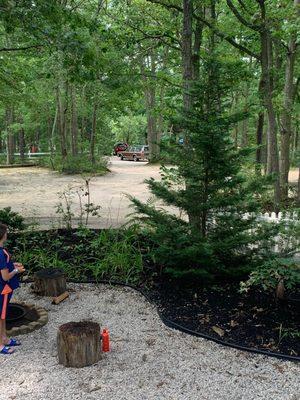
33 192
147 360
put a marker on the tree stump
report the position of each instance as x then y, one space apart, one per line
49 282
79 344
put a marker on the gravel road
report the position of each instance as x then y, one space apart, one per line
33 192
148 361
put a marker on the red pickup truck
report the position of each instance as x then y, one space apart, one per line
118 147
135 153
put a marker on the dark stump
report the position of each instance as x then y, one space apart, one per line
79 344
49 282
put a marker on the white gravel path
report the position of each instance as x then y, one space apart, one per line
148 361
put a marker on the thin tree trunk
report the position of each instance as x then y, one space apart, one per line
286 118
151 117
10 142
22 145
160 119
93 134
74 123
267 84
187 55
53 132
188 70
61 123
150 103
259 141
198 35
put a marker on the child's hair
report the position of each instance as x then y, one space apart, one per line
3 230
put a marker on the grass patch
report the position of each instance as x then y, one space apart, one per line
75 165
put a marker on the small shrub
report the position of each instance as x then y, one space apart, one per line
82 254
86 207
273 272
120 260
13 220
75 165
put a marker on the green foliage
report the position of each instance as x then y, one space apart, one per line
130 129
82 254
270 273
76 165
286 333
13 220
122 261
86 208
215 229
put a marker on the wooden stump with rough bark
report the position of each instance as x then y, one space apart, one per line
49 282
79 344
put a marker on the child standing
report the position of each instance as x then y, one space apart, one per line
8 283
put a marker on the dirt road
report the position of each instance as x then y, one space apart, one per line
33 192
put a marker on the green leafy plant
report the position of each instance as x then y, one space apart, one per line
271 273
86 208
75 165
287 333
82 253
120 260
13 220
209 226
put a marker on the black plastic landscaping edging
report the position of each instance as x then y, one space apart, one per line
174 325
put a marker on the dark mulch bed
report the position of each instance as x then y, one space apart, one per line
253 320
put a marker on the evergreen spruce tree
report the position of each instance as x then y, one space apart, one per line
215 229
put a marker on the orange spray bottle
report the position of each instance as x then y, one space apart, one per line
105 340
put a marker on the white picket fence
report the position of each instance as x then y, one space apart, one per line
281 216
289 218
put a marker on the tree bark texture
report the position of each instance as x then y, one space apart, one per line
10 142
74 123
22 145
286 115
267 95
61 123
79 344
93 134
49 282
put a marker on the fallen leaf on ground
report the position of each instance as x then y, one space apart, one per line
218 330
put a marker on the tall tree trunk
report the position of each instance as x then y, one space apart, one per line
53 132
267 84
93 134
259 141
61 123
22 145
187 55
160 118
198 35
150 103
151 117
74 123
10 142
286 116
